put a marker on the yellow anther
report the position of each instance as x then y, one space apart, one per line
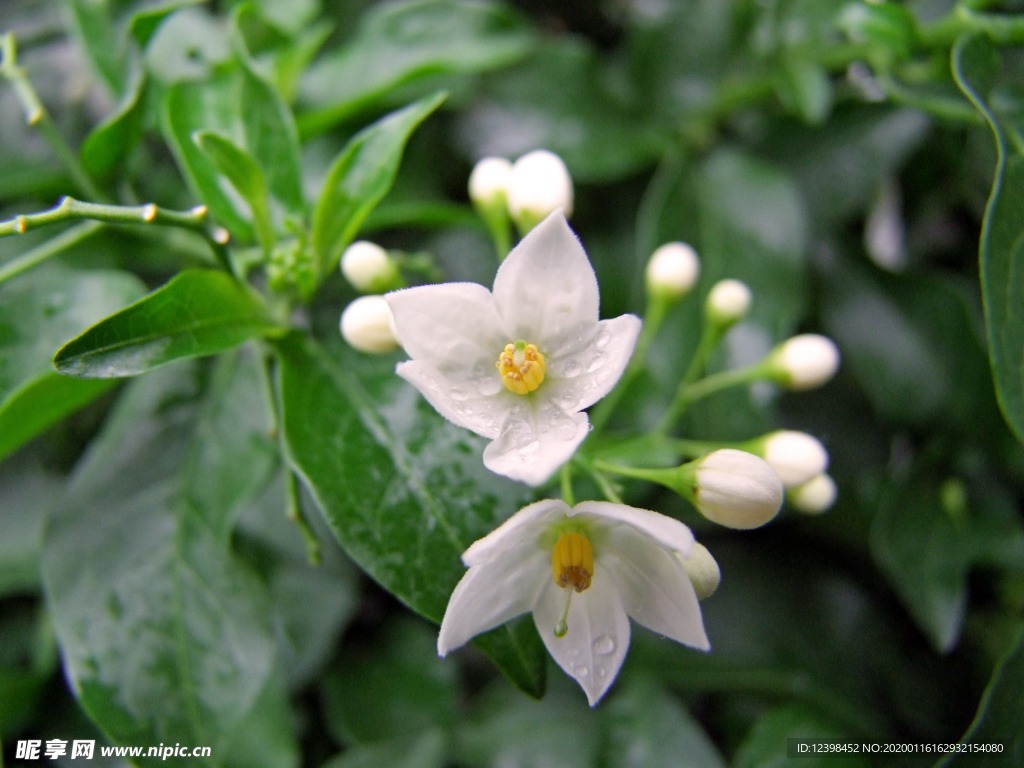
521 367
572 561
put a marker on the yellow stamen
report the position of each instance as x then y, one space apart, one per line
521 367
572 561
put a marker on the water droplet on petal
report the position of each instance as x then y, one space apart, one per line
601 672
580 671
604 645
488 385
457 393
602 339
596 362
572 369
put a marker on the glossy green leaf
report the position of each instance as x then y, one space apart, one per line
199 312
400 44
403 491
361 176
109 145
41 310
242 107
997 721
976 66
245 175
166 635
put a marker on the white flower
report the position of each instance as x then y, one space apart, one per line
368 267
538 185
517 365
672 270
582 572
368 326
736 489
795 456
804 362
703 570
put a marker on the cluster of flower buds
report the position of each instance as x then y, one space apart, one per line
366 323
528 190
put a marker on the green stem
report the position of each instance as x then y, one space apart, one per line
709 385
566 481
654 317
70 209
37 115
52 247
1003 29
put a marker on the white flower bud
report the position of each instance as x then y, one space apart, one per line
368 326
728 302
804 362
795 456
539 184
672 270
488 182
702 569
368 267
736 489
815 496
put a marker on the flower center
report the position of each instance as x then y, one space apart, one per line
572 565
521 367
572 561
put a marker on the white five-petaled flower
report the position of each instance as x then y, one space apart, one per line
519 364
582 572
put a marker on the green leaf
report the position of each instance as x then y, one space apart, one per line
998 721
424 750
245 175
199 312
403 491
976 65
397 686
41 310
110 144
242 107
166 635
97 31
765 745
402 44
361 176
644 726
26 492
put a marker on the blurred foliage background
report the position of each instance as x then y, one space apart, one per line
848 161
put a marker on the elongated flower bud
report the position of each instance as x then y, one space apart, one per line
672 271
804 362
367 325
736 489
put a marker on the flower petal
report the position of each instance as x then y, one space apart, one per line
666 531
460 402
655 588
491 594
595 645
545 290
532 446
525 525
453 325
580 378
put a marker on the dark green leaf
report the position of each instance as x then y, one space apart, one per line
404 491
425 750
398 686
26 492
645 726
199 312
110 143
976 65
166 635
361 176
41 310
243 108
398 44
765 745
998 721
97 31
245 175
